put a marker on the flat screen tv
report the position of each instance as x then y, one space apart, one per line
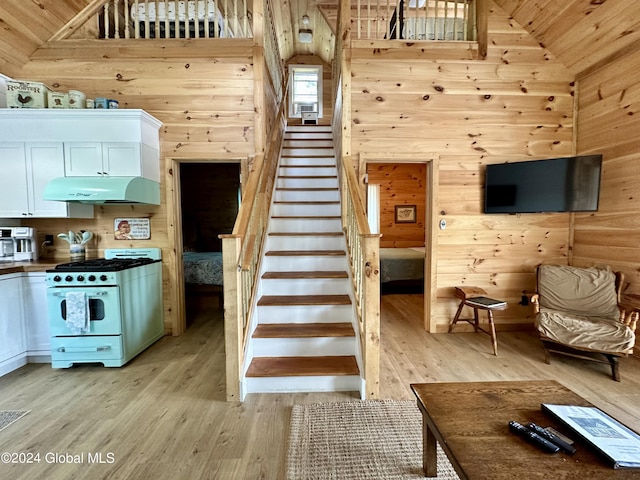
568 184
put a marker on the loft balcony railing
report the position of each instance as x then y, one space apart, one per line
175 19
447 20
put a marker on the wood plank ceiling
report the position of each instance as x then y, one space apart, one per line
582 33
26 24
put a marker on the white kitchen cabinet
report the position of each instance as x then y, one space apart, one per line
122 142
116 159
12 333
14 197
36 318
27 168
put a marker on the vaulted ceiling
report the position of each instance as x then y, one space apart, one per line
581 33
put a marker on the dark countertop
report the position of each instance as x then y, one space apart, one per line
18 267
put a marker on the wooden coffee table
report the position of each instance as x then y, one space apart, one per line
470 421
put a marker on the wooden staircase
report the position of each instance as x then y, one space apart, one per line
304 338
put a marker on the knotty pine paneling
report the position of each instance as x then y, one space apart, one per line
607 123
582 34
517 104
201 91
400 184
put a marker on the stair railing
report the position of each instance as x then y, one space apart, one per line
363 247
448 20
241 252
147 19
364 256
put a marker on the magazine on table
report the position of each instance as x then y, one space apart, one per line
485 302
611 438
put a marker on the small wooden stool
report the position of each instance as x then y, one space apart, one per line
468 293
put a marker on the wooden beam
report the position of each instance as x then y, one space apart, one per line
76 22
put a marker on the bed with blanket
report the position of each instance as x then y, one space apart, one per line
203 268
402 270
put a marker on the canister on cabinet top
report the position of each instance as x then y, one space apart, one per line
113 104
77 99
101 102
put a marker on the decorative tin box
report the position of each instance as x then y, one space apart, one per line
101 102
77 99
58 100
23 94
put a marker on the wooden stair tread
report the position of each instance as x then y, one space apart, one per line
301 253
308 217
300 155
300 275
307 177
303 366
307 189
308 166
298 300
307 202
303 330
307 234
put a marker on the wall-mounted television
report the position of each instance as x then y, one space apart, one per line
567 184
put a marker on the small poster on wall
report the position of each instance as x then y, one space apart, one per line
405 214
132 229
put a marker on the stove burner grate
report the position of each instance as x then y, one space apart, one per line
102 265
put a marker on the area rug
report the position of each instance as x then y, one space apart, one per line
7 417
359 440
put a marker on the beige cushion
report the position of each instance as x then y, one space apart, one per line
578 308
586 333
583 291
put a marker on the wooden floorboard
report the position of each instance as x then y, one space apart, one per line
164 415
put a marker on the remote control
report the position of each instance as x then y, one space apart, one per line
533 437
552 438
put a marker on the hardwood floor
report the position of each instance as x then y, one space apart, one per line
163 416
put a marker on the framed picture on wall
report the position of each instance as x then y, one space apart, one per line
405 214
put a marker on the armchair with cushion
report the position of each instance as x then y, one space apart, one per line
579 314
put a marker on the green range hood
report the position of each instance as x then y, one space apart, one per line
103 190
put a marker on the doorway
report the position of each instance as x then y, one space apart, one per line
428 216
203 199
210 200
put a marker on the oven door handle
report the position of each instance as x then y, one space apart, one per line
101 293
104 348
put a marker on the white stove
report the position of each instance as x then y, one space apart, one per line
105 310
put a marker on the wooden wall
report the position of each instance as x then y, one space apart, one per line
608 123
202 91
400 184
517 104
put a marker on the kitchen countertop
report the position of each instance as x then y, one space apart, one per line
18 267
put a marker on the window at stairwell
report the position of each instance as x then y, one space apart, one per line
305 90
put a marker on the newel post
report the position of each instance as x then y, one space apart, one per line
371 314
233 323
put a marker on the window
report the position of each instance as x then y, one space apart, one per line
305 90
